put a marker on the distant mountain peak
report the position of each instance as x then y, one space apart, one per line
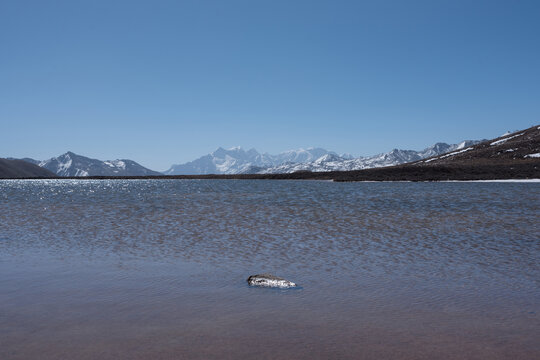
236 160
70 164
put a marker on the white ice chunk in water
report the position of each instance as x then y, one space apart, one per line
269 280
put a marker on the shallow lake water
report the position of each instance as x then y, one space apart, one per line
140 269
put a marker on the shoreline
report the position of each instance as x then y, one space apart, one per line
536 180
526 170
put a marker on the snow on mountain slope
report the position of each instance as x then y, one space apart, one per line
394 157
238 161
509 148
71 164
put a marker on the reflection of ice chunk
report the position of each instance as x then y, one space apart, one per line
269 280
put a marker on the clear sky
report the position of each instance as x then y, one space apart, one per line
163 82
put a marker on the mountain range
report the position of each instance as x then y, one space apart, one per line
512 155
73 165
238 161
518 147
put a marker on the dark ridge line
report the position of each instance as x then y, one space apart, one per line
521 170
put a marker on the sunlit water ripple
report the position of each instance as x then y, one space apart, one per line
401 256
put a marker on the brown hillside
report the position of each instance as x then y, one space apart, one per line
16 169
512 149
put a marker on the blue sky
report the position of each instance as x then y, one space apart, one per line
164 82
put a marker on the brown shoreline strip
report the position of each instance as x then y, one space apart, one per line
522 170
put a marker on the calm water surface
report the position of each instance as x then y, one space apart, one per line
156 269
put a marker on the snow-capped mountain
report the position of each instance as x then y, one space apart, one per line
71 164
394 157
238 161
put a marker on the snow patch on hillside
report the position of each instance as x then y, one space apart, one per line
455 153
502 141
